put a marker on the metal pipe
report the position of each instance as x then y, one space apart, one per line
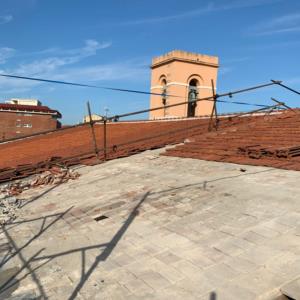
210 98
92 130
214 110
249 89
283 104
83 85
286 87
104 139
256 110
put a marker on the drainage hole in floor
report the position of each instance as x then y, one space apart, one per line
100 218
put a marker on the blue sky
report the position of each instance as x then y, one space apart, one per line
112 42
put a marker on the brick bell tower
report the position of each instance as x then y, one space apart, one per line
184 74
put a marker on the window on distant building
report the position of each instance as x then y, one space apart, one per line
24 114
18 125
192 96
164 91
27 125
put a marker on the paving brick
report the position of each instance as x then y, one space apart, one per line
228 247
278 227
154 280
123 259
220 273
260 255
167 257
196 286
253 237
239 264
138 287
261 281
291 219
166 270
138 267
187 268
232 290
265 231
198 258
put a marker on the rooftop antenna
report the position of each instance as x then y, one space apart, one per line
106 109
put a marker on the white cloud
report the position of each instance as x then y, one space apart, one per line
62 66
6 19
225 70
209 8
6 53
236 60
128 70
91 47
282 24
185 14
293 80
63 57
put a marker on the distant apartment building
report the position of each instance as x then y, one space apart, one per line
95 117
22 117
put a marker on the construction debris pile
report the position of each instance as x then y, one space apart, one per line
8 207
54 165
257 151
9 203
273 140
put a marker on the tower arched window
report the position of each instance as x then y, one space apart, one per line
164 91
192 96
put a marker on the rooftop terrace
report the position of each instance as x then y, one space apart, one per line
156 227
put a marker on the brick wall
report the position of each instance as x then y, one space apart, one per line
15 124
125 136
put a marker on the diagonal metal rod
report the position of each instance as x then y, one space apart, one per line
214 110
283 104
92 130
256 110
286 87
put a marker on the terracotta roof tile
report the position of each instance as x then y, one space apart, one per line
33 108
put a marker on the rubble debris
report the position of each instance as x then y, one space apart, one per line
22 171
9 203
259 152
8 207
55 175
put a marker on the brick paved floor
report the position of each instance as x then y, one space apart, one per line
168 228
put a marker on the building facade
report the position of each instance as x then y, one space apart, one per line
22 117
182 77
95 117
